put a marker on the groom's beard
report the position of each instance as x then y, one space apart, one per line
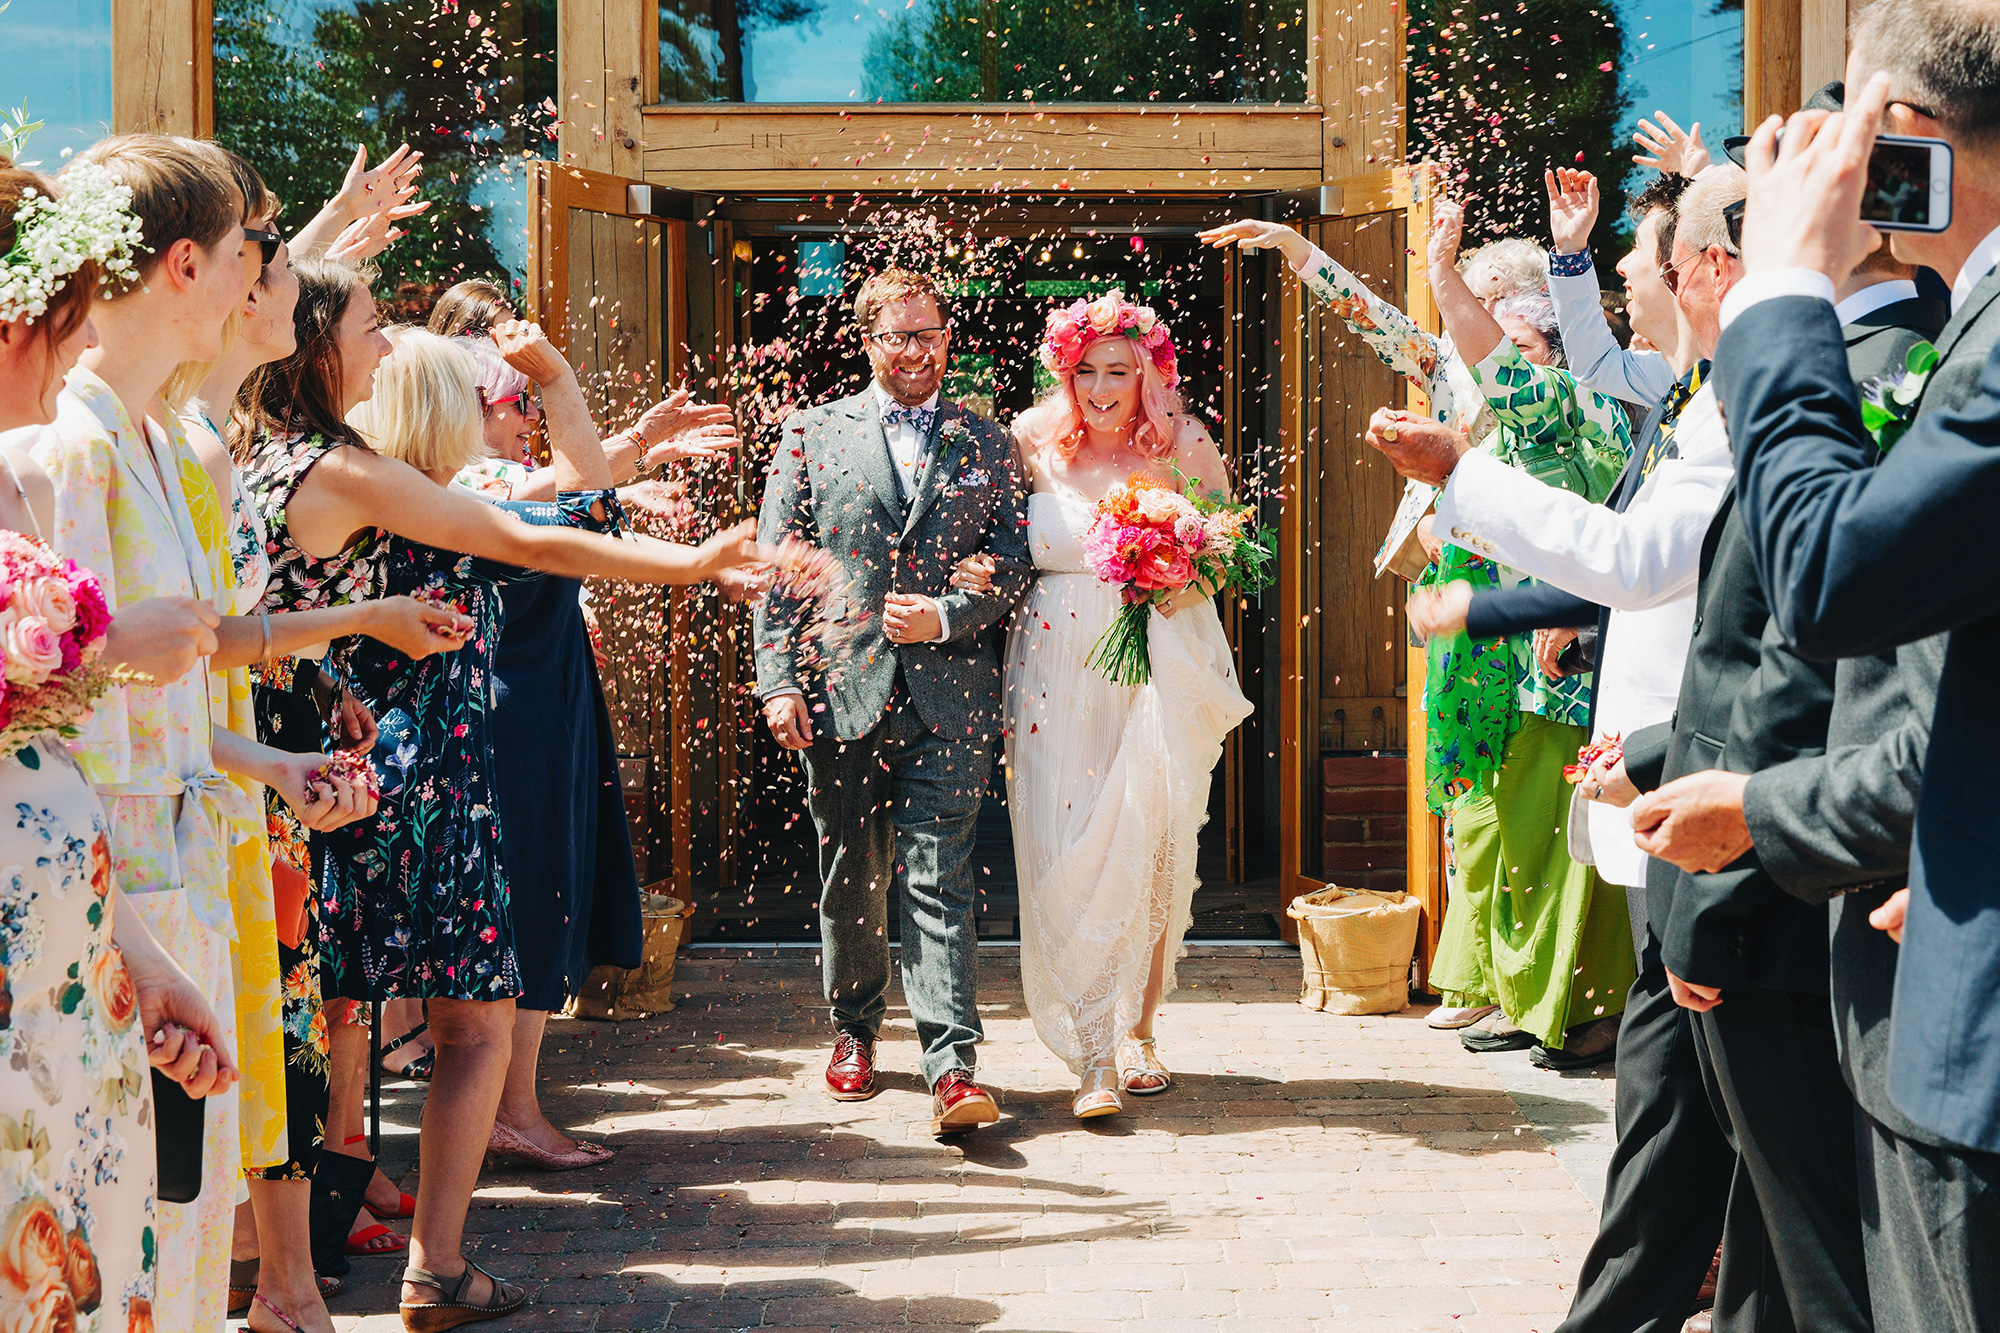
914 385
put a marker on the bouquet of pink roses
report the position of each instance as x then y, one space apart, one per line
52 623
1153 540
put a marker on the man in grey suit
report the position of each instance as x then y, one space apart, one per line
898 731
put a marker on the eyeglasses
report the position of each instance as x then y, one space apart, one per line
268 240
895 340
1671 274
522 402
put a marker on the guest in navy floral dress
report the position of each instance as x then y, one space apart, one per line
342 499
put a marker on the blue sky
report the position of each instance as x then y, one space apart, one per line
59 68
1683 58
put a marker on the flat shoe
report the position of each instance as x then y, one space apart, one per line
1138 1058
375 1239
1097 1097
1448 1018
1495 1033
505 1143
1584 1046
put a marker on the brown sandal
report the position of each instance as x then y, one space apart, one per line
454 1309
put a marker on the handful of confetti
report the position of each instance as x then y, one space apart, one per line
1609 748
350 766
824 619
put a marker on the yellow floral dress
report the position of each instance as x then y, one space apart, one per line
174 817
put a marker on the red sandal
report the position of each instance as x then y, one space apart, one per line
375 1239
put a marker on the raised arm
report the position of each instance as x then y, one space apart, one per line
1594 356
387 188
1471 327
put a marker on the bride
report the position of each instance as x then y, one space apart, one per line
1107 784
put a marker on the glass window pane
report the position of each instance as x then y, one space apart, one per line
1500 90
983 51
298 83
59 72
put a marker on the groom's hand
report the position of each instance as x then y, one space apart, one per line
785 715
911 618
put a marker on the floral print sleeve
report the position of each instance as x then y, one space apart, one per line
1406 347
1552 428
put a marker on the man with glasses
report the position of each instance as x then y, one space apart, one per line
899 730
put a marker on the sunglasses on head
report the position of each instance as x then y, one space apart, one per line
268 241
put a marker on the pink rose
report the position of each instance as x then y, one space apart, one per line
1143 319
1165 567
1104 313
48 598
34 651
1162 508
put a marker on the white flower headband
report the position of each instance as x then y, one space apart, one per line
90 222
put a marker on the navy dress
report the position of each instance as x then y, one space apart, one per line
564 838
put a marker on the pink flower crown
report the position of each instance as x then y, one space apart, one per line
1074 327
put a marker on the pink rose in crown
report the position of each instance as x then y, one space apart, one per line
1104 313
49 598
34 651
1144 320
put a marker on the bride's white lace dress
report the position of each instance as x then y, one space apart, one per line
1107 785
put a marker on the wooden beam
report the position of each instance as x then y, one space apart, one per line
913 147
1772 75
1291 605
1423 832
1361 85
162 61
1822 44
607 67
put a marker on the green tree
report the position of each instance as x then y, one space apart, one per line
1500 90
468 83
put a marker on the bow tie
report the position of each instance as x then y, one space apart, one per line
917 418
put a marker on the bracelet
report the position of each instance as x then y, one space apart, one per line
264 619
1572 265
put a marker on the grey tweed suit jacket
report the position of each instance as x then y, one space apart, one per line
833 483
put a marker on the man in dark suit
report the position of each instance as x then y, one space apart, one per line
1859 558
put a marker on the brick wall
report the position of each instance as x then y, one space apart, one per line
1363 821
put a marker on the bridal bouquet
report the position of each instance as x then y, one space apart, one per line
1153 540
52 623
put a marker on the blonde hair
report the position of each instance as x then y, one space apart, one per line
1056 421
1513 267
1701 222
425 410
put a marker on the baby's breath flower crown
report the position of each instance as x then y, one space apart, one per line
90 222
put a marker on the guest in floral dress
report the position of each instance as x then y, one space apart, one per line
82 982
317 557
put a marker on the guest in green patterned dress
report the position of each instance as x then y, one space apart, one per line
1526 927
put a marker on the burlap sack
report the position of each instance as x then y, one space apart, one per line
617 993
1356 945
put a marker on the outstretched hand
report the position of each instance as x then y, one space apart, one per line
1253 234
527 349
1674 151
1804 209
1573 205
678 427
1447 228
392 183
1417 447
366 237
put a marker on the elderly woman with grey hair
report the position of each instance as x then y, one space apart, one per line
1530 935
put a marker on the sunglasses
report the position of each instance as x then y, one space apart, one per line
520 402
1732 217
268 241
1671 274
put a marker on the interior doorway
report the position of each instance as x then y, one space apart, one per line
783 321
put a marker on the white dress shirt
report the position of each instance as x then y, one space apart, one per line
1643 563
906 445
1872 298
1775 282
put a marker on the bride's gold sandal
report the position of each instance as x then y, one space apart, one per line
1097 1097
1139 1060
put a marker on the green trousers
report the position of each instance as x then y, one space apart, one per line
1525 927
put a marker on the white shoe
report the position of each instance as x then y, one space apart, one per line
1444 1016
1099 1094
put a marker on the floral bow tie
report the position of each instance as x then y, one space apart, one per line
917 418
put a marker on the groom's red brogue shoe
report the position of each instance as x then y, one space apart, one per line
850 1074
958 1104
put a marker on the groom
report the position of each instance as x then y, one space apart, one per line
898 733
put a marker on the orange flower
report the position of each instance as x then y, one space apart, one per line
139 1315
48 1308
111 982
31 1247
100 865
86 1285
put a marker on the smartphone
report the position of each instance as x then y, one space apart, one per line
1909 184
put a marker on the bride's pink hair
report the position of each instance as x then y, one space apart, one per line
1056 421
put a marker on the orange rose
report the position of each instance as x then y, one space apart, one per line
100 866
31 1246
139 1315
111 982
86 1285
48 1308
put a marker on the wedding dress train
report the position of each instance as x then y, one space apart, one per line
1108 787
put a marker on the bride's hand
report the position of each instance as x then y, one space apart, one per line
1181 599
975 573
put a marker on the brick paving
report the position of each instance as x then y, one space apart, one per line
1307 1173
